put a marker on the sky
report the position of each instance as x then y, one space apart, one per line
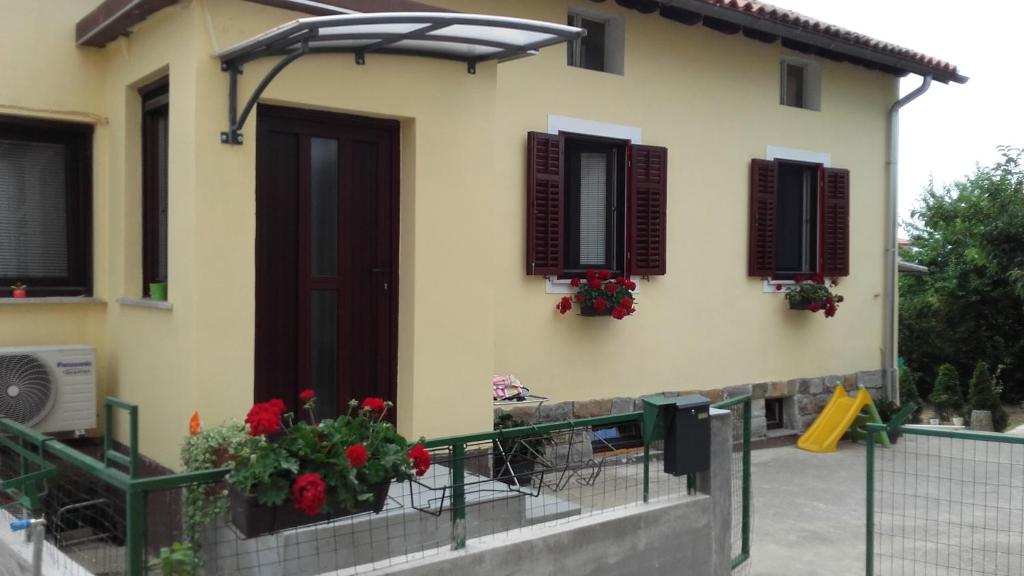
946 132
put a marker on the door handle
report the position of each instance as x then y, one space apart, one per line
385 271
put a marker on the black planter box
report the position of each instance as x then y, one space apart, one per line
591 311
798 305
253 519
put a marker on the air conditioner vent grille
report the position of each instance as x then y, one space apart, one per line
26 388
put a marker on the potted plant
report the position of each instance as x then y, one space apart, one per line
19 290
812 294
514 459
600 295
308 470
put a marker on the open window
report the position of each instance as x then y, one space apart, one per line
602 48
799 220
154 183
800 84
45 206
595 203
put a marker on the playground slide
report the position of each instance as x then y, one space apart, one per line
834 420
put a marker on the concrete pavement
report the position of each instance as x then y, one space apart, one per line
809 515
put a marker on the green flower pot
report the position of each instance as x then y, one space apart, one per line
158 291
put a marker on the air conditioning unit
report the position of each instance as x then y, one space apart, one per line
50 388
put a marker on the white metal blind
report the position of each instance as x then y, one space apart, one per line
33 211
593 208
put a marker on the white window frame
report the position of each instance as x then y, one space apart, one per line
812 82
614 38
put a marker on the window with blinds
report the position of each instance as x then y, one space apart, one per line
596 189
44 207
154 183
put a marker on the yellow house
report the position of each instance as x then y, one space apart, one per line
240 199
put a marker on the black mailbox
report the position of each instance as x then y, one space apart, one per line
688 441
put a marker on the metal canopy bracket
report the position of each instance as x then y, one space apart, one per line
469 38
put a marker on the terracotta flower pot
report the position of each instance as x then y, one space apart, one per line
252 519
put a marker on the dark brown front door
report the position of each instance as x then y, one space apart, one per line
326 255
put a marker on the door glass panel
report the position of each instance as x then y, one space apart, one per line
323 184
323 350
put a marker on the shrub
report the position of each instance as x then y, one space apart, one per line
909 393
946 394
983 396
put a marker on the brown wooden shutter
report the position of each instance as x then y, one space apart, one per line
647 196
545 203
763 202
835 216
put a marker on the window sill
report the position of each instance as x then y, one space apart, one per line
53 300
555 285
146 303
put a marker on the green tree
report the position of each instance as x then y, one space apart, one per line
970 306
946 394
983 396
909 393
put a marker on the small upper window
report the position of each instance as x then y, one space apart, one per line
154 184
45 202
601 48
800 84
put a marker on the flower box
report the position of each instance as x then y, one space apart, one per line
798 305
591 311
252 519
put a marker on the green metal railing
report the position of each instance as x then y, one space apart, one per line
121 470
932 474
35 446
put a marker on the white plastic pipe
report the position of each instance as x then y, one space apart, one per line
889 372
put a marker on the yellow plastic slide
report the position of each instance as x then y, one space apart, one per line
833 421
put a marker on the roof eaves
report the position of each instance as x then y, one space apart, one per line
812 35
114 18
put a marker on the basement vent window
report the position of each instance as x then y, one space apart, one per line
773 413
617 437
800 84
602 47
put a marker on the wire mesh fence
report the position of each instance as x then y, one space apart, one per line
742 494
508 485
946 503
483 488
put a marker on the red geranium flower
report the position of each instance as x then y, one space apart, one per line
600 304
265 417
373 404
564 305
611 288
309 493
575 282
630 285
307 395
580 297
591 273
357 455
594 283
618 313
604 274
814 307
626 302
420 459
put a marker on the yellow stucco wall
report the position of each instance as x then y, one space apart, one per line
466 308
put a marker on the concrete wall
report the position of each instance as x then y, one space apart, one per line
467 310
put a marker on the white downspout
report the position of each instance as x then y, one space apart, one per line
889 372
